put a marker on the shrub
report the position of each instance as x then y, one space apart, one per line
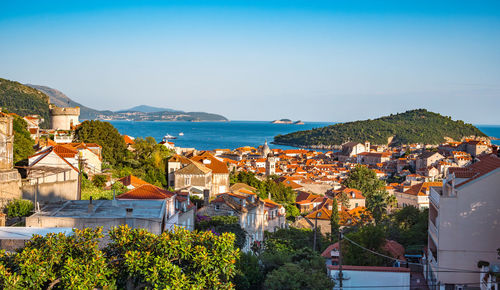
99 180
19 208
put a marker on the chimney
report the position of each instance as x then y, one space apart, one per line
206 197
128 218
129 211
91 206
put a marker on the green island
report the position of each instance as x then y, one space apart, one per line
415 126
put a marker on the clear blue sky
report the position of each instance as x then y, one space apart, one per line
262 60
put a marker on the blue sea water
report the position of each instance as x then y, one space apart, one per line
214 135
229 135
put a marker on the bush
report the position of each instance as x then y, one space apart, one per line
19 208
99 180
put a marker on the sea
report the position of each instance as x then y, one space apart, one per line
230 135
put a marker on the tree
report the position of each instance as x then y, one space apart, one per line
224 224
114 149
408 226
249 274
178 259
369 236
149 160
306 274
377 198
57 260
344 199
334 220
23 144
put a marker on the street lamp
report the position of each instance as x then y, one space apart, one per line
318 214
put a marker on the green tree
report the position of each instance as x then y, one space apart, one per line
334 220
249 274
377 198
224 224
114 149
369 236
23 144
178 259
59 261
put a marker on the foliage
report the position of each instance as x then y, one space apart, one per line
369 236
279 192
292 211
293 239
19 208
66 262
90 190
114 149
224 224
249 274
415 126
148 161
377 198
408 226
175 260
99 180
334 220
23 100
23 144
294 276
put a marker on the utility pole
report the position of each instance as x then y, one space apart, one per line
341 277
80 175
315 229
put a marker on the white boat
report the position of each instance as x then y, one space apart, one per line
181 134
169 137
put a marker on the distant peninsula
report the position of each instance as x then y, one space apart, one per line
415 126
137 113
287 121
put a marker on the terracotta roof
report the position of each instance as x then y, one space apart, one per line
132 180
146 191
194 168
325 214
238 186
128 140
486 164
65 151
213 163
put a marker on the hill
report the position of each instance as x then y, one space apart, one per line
147 109
61 100
24 100
415 126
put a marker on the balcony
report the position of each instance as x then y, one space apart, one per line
435 195
433 231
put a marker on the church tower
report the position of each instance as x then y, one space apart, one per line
270 165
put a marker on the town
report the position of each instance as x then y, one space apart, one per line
412 216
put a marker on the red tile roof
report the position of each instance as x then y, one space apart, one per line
486 164
146 191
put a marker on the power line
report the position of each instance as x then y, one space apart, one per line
401 261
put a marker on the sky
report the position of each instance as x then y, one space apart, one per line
311 60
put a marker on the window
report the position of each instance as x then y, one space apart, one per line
217 206
187 180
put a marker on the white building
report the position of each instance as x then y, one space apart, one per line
371 277
464 224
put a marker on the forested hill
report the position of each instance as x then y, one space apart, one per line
59 99
416 126
23 100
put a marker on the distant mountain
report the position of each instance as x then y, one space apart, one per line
415 126
148 109
61 100
23 100
138 113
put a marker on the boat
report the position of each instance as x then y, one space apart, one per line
181 134
169 137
